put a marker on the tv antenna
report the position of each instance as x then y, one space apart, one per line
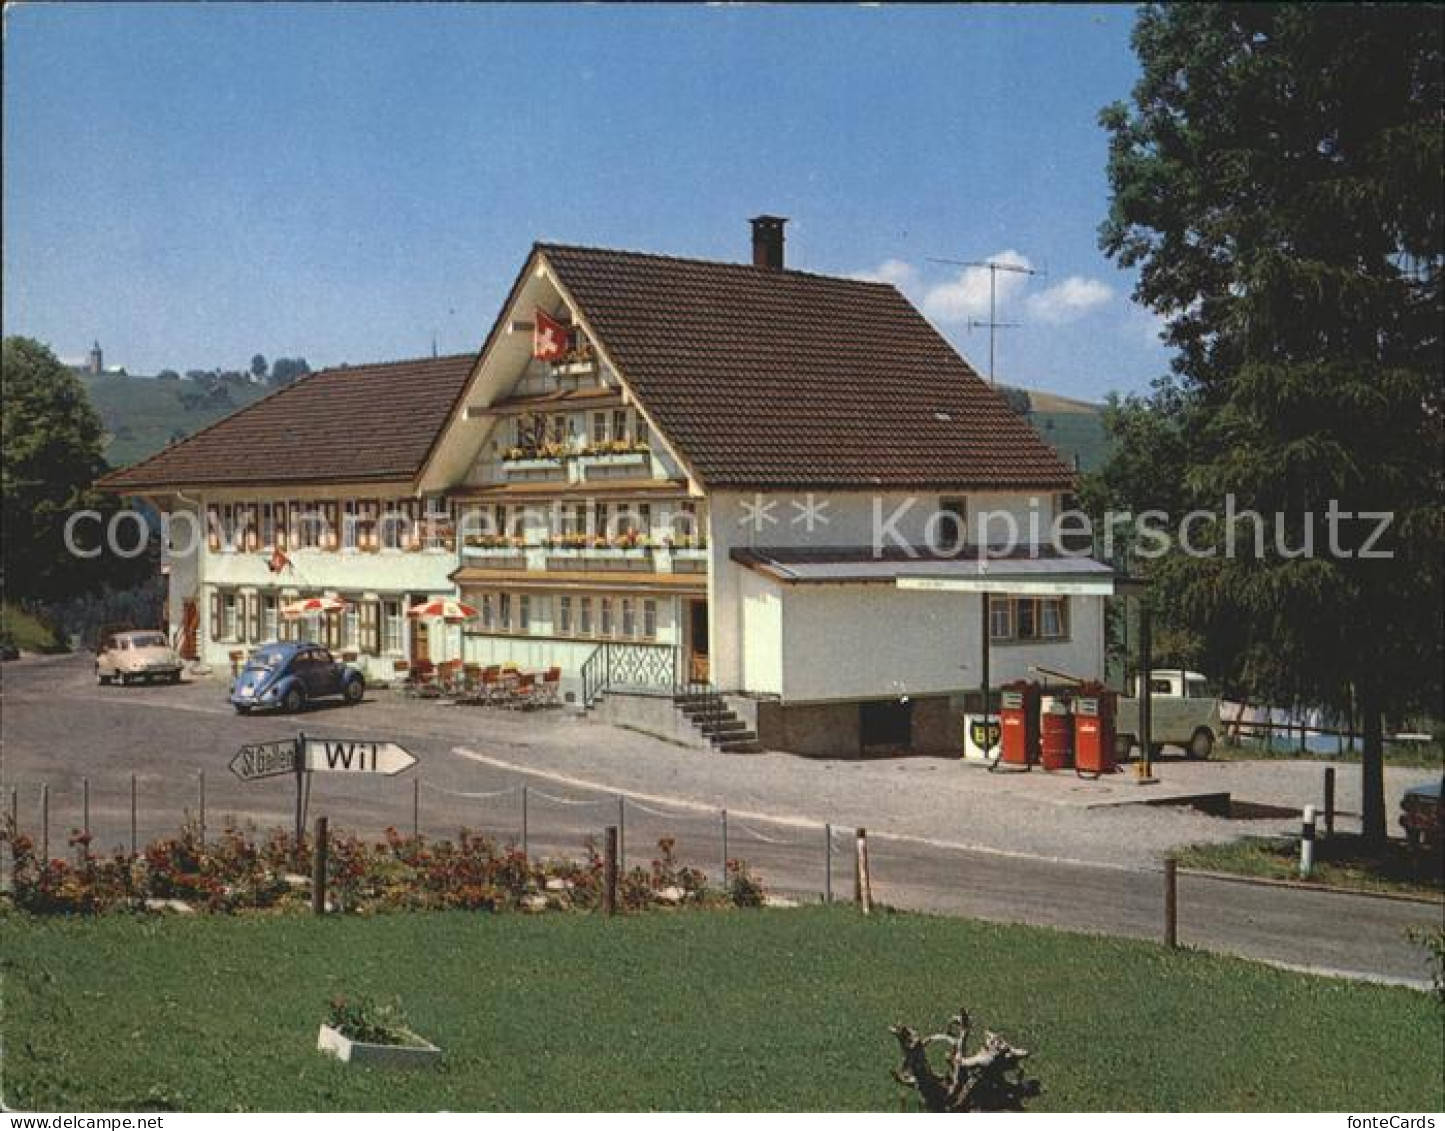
993 267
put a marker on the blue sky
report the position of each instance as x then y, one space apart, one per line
193 184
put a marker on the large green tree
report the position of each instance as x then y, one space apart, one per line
50 455
1276 181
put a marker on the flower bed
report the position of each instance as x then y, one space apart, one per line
239 871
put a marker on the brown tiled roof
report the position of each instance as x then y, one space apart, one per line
778 379
361 423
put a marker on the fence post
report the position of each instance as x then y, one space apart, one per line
1329 802
201 802
318 869
45 822
725 850
1307 844
133 844
621 833
525 850
85 807
416 808
609 871
862 880
1171 903
828 863
15 807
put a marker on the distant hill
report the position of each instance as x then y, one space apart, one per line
1072 428
142 415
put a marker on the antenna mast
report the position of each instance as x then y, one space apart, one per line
994 325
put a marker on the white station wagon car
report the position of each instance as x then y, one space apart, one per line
136 656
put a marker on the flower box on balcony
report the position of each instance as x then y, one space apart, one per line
613 459
575 368
494 551
532 463
689 553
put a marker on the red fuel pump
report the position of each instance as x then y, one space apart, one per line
1019 723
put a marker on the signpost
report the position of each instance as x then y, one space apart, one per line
302 756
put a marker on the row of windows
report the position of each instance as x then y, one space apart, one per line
349 524
1028 618
581 617
371 626
620 425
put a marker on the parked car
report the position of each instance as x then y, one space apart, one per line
289 674
1183 711
137 655
1422 814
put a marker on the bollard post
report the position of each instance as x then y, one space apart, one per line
863 881
828 863
133 844
525 850
1329 802
416 808
45 823
1307 844
318 868
725 850
609 871
85 807
1171 903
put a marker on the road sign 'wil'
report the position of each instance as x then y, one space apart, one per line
353 756
264 760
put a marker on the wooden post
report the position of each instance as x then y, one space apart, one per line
45 823
1171 903
1329 802
525 849
863 880
133 845
621 833
201 802
416 808
609 871
299 826
1145 775
318 868
15 808
85 806
724 850
827 863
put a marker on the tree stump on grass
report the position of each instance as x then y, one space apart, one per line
992 1079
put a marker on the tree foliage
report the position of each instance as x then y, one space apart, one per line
284 370
1276 182
49 459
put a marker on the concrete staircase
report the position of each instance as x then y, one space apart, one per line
711 717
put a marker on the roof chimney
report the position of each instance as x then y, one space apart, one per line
768 241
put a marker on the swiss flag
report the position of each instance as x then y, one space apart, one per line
278 561
550 339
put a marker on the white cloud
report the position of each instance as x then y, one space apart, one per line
896 271
966 295
1070 300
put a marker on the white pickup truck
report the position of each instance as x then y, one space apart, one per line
1184 712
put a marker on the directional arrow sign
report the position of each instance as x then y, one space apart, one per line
264 760
355 756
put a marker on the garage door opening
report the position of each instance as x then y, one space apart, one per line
885 727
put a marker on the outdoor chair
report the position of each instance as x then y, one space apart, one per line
549 691
489 687
401 676
449 678
424 680
524 693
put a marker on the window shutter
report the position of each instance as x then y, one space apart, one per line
254 604
213 528
215 616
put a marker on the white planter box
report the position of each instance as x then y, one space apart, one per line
514 465
494 551
423 1054
575 369
614 459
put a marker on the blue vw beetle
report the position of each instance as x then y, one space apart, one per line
289 674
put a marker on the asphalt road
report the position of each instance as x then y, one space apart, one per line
60 729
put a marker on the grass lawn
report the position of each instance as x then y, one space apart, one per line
1338 863
697 1011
